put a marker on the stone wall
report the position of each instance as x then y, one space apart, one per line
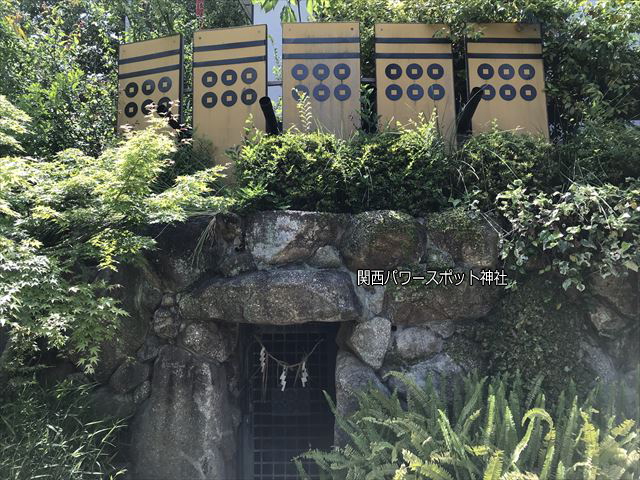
176 368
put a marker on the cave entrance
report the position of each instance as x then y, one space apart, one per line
280 424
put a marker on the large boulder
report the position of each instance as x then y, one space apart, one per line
470 239
382 240
438 368
215 342
607 321
352 375
128 376
370 340
166 323
185 428
416 343
274 297
417 304
187 250
276 238
620 292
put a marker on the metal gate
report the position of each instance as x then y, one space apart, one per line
280 424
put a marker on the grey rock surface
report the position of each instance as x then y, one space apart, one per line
470 240
278 297
106 403
209 340
438 367
327 256
352 375
166 324
598 361
128 376
416 343
279 237
370 340
622 293
382 240
142 392
185 429
424 305
606 320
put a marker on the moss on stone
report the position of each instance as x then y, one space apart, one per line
536 329
458 226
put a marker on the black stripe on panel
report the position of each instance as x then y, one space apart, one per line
414 55
411 40
505 55
321 40
309 56
504 40
150 56
150 71
229 46
229 61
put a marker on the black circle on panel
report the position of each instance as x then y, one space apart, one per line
209 79
415 92
485 71
299 72
342 71
393 71
436 91
164 105
488 92
249 96
229 98
526 71
209 100
131 109
507 92
393 92
414 71
249 75
321 93
229 77
342 92
164 84
145 106
528 92
506 71
297 90
321 71
148 87
131 90
435 71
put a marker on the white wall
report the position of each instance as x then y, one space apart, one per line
274 30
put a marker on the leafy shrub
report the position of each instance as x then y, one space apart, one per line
603 152
13 123
492 428
583 230
63 219
407 170
53 435
301 171
489 162
534 329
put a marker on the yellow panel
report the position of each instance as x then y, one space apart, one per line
149 72
229 78
322 59
506 60
414 74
